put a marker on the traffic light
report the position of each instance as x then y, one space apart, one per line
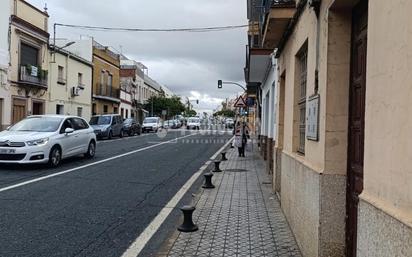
197 101
219 84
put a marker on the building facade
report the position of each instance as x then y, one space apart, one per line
106 80
4 66
26 92
70 84
132 82
150 88
341 157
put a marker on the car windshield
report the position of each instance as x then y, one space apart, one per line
151 120
38 124
100 120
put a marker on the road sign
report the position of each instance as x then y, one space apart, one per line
240 102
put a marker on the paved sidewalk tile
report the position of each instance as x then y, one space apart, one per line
240 217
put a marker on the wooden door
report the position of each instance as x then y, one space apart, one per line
37 108
356 122
19 110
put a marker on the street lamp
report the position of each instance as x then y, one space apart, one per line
59 48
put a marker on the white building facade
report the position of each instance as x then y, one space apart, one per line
5 99
70 84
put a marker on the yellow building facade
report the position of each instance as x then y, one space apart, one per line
106 81
28 70
342 153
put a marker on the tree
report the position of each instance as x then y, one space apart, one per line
225 113
191 113
173 106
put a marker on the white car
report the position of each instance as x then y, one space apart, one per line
151 124
193 123
47 139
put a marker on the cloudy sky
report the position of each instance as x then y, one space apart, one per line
188 63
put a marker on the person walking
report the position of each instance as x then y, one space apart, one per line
241 137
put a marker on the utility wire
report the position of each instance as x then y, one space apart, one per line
203 29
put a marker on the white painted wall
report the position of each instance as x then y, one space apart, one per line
5 102
61 94
268 123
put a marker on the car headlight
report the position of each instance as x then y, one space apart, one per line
38 142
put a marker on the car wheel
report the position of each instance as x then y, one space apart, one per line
110 135
91 150
55 157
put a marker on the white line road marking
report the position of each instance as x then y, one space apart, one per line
87 165
137 246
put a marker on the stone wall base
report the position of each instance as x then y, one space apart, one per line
314 205
380 234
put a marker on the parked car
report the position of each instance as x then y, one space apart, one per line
47 139
193 123
229 123
178 123
107 126
170 124
151 124
131 127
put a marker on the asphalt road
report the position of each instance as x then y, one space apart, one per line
99 210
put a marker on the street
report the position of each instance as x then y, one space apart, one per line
98 207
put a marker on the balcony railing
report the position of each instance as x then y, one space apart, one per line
108 91
279 4
33 75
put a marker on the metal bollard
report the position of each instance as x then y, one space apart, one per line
188 225
223 156
217 168
208 181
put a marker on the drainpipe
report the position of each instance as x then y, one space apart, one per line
315 4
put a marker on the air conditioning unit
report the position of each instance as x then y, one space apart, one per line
75 91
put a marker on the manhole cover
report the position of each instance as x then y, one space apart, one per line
236 170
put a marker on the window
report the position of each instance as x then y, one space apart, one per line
80 78
66 124
303 58
102 85
59 109
94 109
105 109
109 85
60 78
29 55
110 80
127 113
78 124
115 110
79 111
122 112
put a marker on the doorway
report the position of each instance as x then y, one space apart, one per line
19 110
356 122
37 108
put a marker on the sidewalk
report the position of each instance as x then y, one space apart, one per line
240 217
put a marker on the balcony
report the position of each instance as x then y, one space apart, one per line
33 75
278 14
106 92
